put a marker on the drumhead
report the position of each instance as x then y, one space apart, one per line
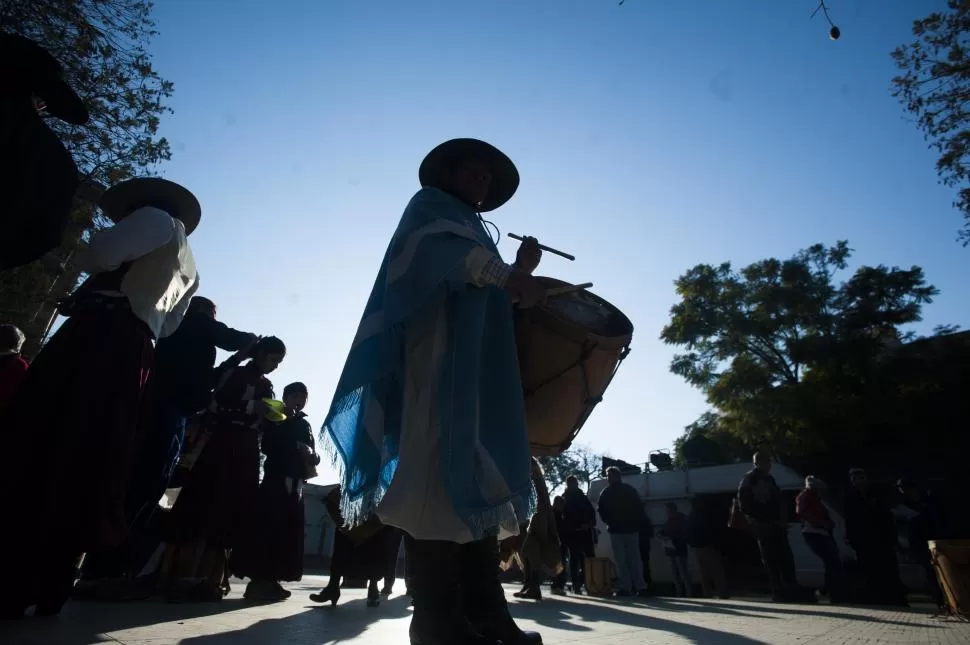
587 310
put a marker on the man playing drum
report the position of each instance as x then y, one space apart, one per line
428 417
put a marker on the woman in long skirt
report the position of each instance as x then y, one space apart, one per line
273 550
72 428
211 514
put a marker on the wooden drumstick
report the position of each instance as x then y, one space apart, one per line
545 248
561 291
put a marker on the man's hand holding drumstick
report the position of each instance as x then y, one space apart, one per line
525 289
528 256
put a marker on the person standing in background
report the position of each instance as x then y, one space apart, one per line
646 539
703 541
13 366
674 536
578 529
621 508
760 500
922 527
871 531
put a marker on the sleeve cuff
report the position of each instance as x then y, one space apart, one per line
484 268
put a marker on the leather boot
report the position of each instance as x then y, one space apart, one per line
484 596
435 585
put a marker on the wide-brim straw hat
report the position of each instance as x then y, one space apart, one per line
119 200
45 76
437 167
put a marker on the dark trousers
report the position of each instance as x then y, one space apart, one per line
580 546
560 580
645 539
778 560
394 538
881 570
825 548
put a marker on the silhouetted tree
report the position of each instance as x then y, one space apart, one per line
580 461
785 354
103 47
934 86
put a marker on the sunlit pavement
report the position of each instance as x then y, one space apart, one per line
561 620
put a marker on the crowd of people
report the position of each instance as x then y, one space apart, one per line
125 401
428 416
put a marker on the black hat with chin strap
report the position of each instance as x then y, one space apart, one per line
437 166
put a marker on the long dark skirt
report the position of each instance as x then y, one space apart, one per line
360 560
70 437
273 548
218 494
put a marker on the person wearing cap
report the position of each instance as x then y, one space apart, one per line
74 424
428 417
40 177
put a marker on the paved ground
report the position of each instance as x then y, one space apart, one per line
657 621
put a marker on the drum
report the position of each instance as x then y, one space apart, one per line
569 349
951 560
599 576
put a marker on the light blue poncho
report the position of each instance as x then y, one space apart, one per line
479 389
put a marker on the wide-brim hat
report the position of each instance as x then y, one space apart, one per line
45 77
436 168
119 200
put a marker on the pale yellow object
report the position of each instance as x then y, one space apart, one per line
277 411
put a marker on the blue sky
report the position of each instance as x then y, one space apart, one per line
650 137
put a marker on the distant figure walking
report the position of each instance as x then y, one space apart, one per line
817 529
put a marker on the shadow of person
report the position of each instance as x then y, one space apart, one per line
581 616
847 613
671 604
319 624
83 623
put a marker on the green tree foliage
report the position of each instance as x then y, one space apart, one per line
934 86
789 357
103 47
580 461
709 441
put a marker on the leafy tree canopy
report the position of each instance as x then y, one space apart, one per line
782 348
103 46
934 86
580 461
